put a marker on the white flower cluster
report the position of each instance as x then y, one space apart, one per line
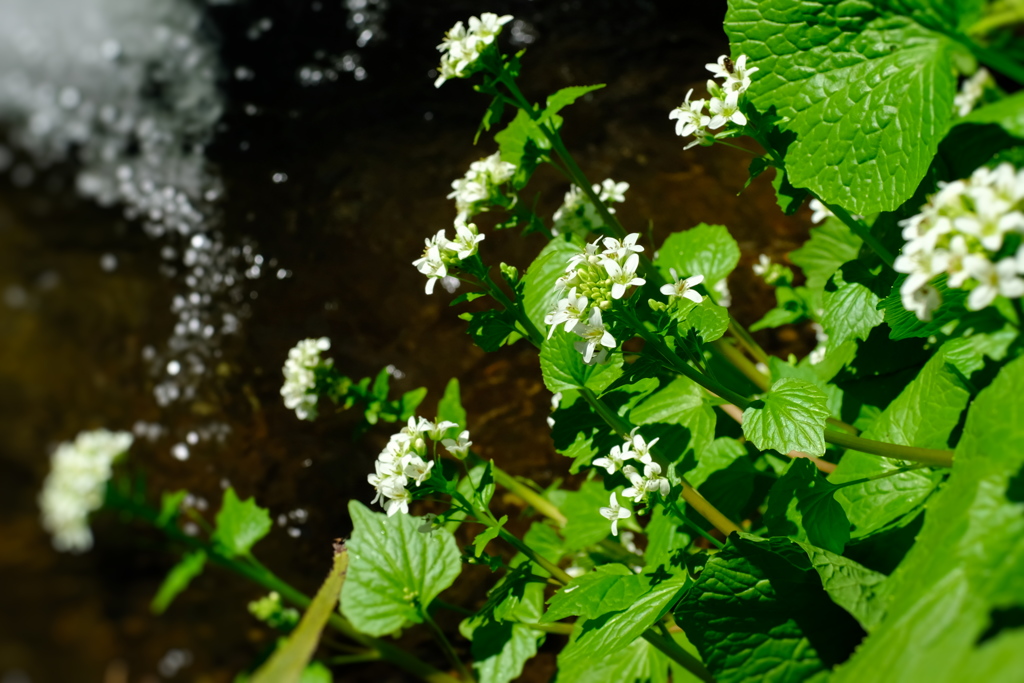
440 252
961 232
75 486
300 378
971 91
634 448
578 214
593 280
723 107
475 190
462 46
406 459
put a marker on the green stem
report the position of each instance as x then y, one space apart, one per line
670 647
550 567
733 355
674 509
747 340
342 660
529 496
258 574
862 231
875 477
535 336
451 608
446 646
925 456
555 627
1011 13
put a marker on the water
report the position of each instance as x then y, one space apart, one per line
186 189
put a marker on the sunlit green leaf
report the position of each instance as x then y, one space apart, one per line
240 524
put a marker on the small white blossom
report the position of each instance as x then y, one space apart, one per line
724 295
764 262
300 378
922 302
971 91
993 280
618 251
398 501
616 458
641 447
466 239
594 334
76 484
481 184
569 311
614 513
725 110
458 447
683 288
736 74
819 211
610 192
462 47
623 277
689 116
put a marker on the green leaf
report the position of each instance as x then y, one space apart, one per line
566 96
613 631
563 368
585 525
850 585
395 571
953 601
491 329
488 535
502 640
850 311
1007 113
667 540
521 143
240 524
450 406
680 402
290 662
802 506
315 672
707 319
789 197
923 415
540 293
805 371
791 417
867 89
707 250
181 574
758 613
589 596
831 245
170 506
637 662
410 401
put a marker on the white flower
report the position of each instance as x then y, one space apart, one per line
461 48
650 482
623 277
971 91
689 116
614 513
724 295
736 74
993 279
594 335
725 110
418 469
762 265
480 183
458 447
569 310
610 191
466 239
616 458
398 501
76 484
819 211
641 447
683 288
432 262
922 302
617 251
300 378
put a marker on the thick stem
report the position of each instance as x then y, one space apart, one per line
733 355
535 336
529 496
926 456
861 231
671 648
550 567
446 647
